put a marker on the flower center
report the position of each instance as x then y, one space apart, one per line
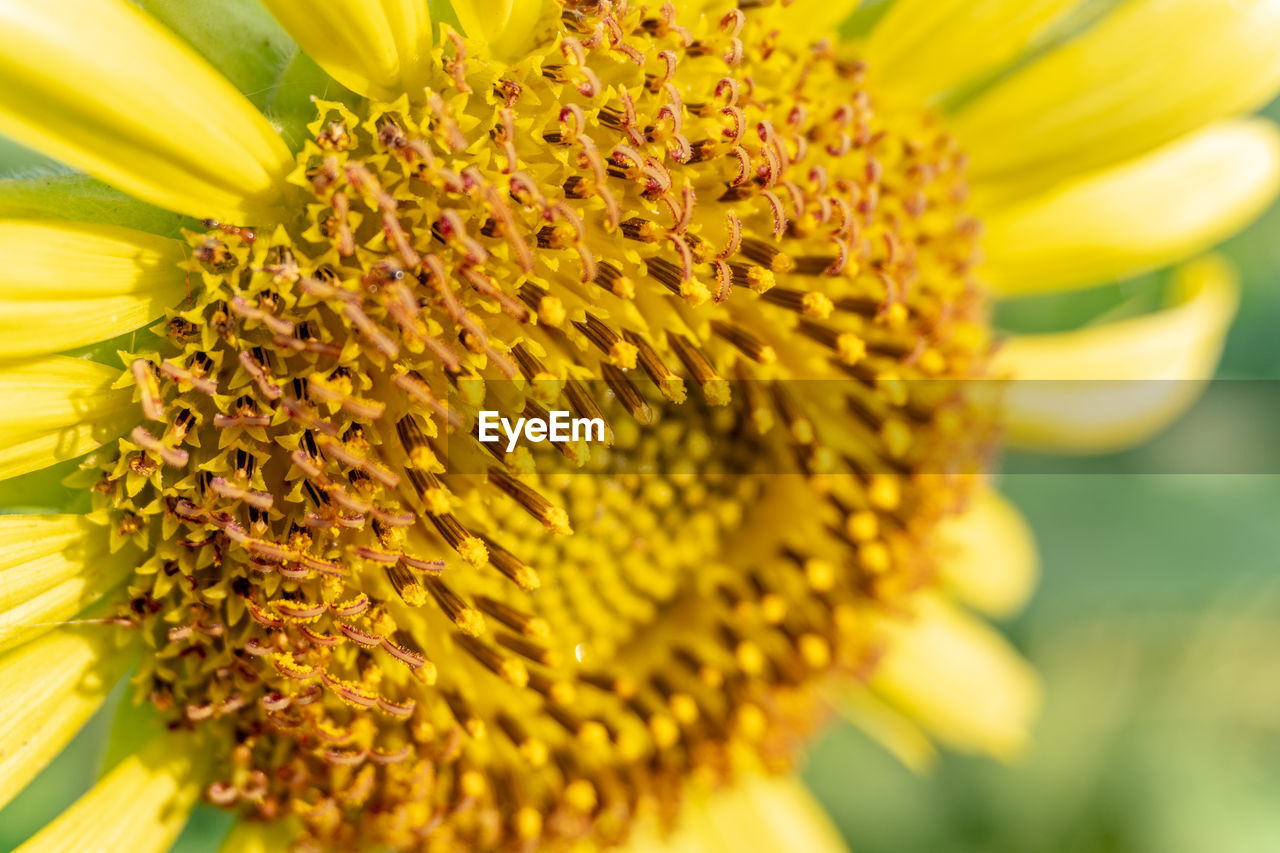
409 638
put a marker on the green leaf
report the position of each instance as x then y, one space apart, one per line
44 491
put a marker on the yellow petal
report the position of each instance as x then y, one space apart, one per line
237 37
483 20
1157 210
51 686
686 10
100 86
893 730
507 27
960 679
57 408
755 812
66 284
1128 379
140 805
987 555
926 47
51 568
1150 72
376 48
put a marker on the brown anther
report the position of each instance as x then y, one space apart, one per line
528 649
508 669
713 385
552 517
517 620
745 341
621 354
512 567
610 277
671 385
679 279
467 619
269 389
767 255
628 395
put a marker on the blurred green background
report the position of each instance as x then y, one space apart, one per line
1156 628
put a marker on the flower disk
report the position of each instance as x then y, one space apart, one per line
404 638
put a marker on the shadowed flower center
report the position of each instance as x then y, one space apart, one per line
408 638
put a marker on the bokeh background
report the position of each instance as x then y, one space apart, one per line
1156 628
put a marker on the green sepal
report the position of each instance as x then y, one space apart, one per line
45 491
133 724
80 198
237 37
291 106
442 13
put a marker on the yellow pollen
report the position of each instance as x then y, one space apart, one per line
817 305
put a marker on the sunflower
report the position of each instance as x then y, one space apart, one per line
258 348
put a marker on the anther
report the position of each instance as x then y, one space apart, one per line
641 229
551 516
745 341
671 385
714 387
508 669
621 354
628 395
515 619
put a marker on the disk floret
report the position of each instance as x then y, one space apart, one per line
407 638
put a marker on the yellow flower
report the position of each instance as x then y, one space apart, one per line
362 628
